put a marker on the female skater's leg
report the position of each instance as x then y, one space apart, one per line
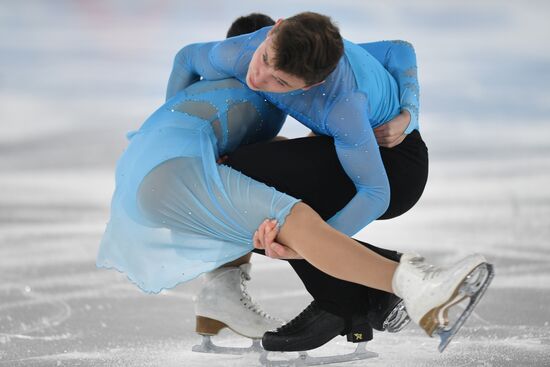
428 291
333 252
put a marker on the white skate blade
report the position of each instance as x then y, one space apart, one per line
207 346
305 359
474 291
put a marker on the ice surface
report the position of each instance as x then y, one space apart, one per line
76 75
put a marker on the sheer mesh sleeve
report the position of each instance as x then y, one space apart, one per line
399 58
359 155
211 61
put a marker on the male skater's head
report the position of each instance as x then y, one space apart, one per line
298 53
248 24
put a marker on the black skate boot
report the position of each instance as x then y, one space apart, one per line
360 331
312 328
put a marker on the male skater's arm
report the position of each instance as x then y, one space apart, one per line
359 154
355 142
399 58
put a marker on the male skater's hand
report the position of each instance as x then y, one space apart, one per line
264 239
392 133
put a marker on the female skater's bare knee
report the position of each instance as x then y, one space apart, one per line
301 221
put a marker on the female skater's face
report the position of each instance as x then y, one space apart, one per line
263 76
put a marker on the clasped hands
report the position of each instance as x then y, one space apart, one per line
264 239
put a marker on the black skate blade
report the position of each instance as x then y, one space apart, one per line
207 346
305 359
446 335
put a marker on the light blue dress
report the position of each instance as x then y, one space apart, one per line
176 213
370 85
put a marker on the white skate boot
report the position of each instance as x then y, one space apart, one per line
224 302
429 292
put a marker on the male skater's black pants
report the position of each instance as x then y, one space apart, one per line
308 169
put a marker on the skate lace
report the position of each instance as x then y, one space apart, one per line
246 299
289 326
428 271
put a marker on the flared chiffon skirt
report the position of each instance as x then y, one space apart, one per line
175 213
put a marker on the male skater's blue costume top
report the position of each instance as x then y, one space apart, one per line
359 95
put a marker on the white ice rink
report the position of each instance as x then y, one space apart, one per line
76 75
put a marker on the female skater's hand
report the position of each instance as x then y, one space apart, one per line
264 239
392 133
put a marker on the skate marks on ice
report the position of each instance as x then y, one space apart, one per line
411 348
24 312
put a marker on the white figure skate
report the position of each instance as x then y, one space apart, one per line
224 302
429 292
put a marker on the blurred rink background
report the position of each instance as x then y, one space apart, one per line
75 76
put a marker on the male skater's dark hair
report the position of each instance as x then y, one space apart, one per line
248 24
307 45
